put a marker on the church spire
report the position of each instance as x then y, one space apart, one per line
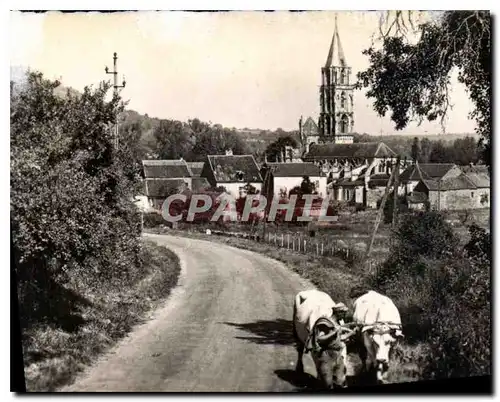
340 62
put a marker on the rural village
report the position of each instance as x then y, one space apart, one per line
393 290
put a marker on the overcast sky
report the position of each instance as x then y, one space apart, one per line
241 69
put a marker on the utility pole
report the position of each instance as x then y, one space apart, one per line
395 193
115 92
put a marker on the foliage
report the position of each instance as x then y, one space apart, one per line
306 187
72 213
275 150
415 149
418 235
443 293
412 80
402 206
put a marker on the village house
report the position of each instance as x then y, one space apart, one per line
286 176
434 171
467 189
233 172
163 178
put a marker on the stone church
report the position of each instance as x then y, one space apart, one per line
356 172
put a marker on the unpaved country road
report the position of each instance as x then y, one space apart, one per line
226 327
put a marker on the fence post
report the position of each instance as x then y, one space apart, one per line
275 239
322 249
282 240
293 244
288 241
317 249
269 237
305 246
298 244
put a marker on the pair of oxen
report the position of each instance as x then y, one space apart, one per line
319 328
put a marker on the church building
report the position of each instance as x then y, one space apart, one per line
356 172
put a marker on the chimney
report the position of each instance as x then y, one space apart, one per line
229 151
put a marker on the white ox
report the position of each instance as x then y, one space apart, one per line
317 328
380 329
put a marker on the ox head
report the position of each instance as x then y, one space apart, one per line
328 349
382 338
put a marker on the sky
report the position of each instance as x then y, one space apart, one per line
240 69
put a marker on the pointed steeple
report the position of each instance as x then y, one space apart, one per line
340 52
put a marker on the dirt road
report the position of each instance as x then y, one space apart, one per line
226 327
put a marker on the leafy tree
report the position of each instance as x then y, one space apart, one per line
274 151
415 149
425 150
412 79
173 139
465 150
72 215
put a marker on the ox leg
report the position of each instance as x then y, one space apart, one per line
299 368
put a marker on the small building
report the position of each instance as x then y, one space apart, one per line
163 178
233 172
468 190
289 175
410 177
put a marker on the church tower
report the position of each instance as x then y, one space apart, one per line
336 119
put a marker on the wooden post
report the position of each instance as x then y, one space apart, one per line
305 246
317 249
380 212
282 240
288 240
293 244
396 186
322 251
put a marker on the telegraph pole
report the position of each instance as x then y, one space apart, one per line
115 91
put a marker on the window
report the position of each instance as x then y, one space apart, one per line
381 167
343 100
344 124
472 194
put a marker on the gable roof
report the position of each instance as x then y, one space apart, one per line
158 188
310 128
166 169
478 174
429 171
227 167
461 182
356 150
195 168
295 169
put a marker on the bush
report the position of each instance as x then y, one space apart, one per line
72 217
443 293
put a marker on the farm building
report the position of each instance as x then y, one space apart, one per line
433 171
289 175
163 178
468 190
233 172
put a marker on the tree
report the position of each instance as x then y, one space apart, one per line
465 151
415 149
439 153
274 151
173 139
425 150
412 80
72 215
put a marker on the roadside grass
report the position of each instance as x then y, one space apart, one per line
54 356
336 277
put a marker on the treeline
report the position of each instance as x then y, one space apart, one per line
461 151
191 140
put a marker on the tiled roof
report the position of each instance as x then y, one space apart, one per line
356 150
163 187
461 182
478 174
195 168
292 169
166 169
234 168
379 179
429 171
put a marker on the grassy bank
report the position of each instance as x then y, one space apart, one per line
333 275
55 353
